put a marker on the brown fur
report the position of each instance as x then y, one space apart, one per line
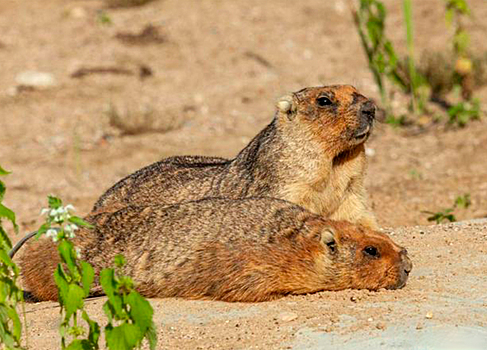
310 155
253 249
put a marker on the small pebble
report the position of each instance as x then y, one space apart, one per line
419 326
288 316
370 152
36 79
380 325
429 315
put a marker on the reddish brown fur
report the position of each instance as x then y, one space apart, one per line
253 249
39 262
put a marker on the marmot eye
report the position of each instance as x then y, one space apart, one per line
323 101
371 251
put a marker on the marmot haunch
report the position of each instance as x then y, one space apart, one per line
253 249
311 154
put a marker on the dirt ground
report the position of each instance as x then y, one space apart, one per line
203 79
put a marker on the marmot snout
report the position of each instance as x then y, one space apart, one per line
232 250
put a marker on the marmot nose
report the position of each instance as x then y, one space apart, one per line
367 110
407 264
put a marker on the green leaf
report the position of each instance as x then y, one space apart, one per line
119 260
107 308
67 253
5 259
5 242
54 202
80 344
3 171
75 299
109 285
9 215
140 311
16 324
80 222
87 276
62 284
123 337
43 229
2 190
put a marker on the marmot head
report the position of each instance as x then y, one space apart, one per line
338 116
360 258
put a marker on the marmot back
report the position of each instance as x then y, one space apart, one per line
252 249
311 154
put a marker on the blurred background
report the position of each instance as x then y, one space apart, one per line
91 91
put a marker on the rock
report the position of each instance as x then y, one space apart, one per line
40 80
288 316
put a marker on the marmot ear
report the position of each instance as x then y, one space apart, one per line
328 237
286 106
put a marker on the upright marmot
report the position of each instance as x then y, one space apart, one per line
311 154
251 249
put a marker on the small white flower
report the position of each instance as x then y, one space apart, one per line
69 229
78 252
69 207
44 211
52 233
53 213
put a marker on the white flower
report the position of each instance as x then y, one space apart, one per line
44 211
69 229
69 207
52 233
78 252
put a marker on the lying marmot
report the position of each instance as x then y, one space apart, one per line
252 249
311 154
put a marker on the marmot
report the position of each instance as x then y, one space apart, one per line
252 249
311 154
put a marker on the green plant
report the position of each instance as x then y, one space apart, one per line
456 10
463 112
463 201
415 79
448 213
129 314
103 18
441 216
369 20
10 294
73 277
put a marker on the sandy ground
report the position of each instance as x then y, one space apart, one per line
204 81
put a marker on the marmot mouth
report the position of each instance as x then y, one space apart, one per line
362 135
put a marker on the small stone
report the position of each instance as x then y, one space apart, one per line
419 325
288 316
354 299
370 319
369 152
429 315
380 325
36 79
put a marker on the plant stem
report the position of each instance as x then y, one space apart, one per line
408 17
